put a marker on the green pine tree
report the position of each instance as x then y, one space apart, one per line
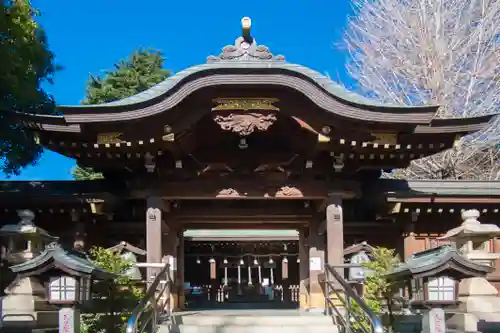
140 71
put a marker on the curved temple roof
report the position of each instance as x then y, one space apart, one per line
247 63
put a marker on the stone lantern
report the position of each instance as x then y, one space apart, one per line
24 240
472 238
479 301
357 255
432 277
129 253
47 289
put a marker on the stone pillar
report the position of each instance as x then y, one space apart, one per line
316 268
303 270
170 249
153 234
335 234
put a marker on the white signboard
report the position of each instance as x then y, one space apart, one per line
69 321
434 321
315 264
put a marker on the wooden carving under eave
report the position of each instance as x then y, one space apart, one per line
228 193
288 192
245 123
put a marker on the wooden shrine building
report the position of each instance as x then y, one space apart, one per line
248 141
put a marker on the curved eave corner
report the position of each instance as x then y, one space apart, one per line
456 125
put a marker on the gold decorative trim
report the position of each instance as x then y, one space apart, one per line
109 138
385 138
245 104
323 139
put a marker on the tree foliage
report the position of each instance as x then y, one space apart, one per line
433 52
140 71
80 173
26 63
116 300
378 292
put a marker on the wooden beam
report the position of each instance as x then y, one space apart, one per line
245 226
451 200
243 239
252 188
193 213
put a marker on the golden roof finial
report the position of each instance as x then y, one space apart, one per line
246 24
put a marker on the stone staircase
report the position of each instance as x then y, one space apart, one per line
251 321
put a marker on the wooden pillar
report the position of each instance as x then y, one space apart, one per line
153 234
335 234
303 270
180 269
316 268
410 244
80 234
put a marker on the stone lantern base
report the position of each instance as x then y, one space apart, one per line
478 303
25 307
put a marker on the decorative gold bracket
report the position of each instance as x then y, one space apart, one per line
245 104
109 138
385 138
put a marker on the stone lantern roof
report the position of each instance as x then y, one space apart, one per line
472 238
26 227
54 256
442 260
471 227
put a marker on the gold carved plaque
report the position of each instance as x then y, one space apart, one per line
109 138
385 138
245 104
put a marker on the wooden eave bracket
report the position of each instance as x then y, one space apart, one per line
394 208
127 247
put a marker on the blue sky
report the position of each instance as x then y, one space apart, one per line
89 36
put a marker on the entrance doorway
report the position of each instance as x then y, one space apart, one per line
241 268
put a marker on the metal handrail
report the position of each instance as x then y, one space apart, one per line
150 301
350 294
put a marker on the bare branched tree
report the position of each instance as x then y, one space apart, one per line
433 52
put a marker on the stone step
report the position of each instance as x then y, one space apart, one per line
264 321
258 328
